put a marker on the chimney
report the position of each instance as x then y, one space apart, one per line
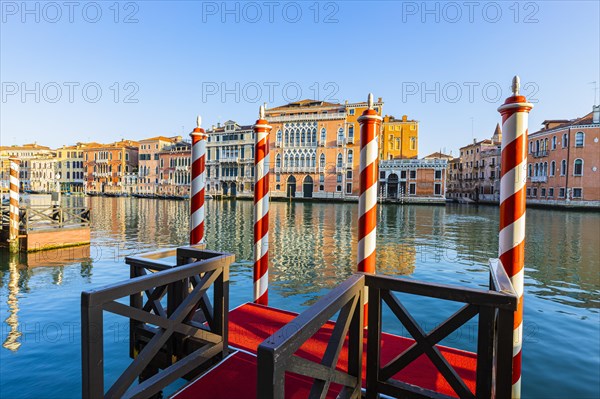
474 141
596 114
218 124
379 99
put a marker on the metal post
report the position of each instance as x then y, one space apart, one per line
367 201
13 228
515 118
261 209
198 184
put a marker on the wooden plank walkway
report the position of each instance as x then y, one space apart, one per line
250 324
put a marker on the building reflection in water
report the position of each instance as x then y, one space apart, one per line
12 341
50 265
313 247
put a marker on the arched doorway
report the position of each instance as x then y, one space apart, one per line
307 187
291 187
225 188
392 186
233 190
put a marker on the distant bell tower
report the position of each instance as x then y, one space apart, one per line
497 137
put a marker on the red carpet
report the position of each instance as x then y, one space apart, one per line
251 324
235 378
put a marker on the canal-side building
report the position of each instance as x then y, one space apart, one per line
563 161
175 163
43 174
107 164
489 174
413 180
314 149
452 181
399 138
25 153
472 179
148 165
70 168
230 160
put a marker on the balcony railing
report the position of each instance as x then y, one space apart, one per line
413 163
299 169
539 179
230 159
539 154
309 117
293 144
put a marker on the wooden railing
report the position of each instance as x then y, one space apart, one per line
47 217
167 343
495 308
276 354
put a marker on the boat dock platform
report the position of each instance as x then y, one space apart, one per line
181 327
44 227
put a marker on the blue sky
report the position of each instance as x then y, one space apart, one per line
448 65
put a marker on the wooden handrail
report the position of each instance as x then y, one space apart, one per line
276 353
168 339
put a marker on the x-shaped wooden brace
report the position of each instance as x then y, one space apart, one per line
326 373
154 296
167 326
425 343
204 304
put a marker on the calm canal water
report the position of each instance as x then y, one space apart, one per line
312 249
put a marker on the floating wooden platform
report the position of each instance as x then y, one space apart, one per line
251 324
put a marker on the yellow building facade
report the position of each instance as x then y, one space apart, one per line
399 138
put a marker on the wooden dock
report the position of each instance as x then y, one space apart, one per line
178 331
251 324
45 227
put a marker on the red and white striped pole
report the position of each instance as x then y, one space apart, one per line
14 219
261 209
515 120
197 210
370 123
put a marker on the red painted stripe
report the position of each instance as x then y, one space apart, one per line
514 154
510 112
263 299
512 208
516 367
261 266
367 222
261 227
368 177
368 264
514 259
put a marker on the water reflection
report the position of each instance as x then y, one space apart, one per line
49 266
313 248
12 338
563 257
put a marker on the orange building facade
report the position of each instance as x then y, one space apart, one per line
563 162
148 167
315 149
109 167
399 139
